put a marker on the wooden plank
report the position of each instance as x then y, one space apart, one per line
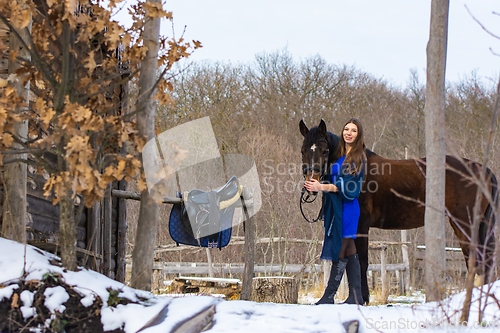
42 224
223 281
225 268
388 267
238 240
121 245
107 242
42 206
137 196
93 234
375 244
36 235
122 233
45 208
50 226
452 254
54 247
447 249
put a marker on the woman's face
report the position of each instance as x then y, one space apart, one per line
350 133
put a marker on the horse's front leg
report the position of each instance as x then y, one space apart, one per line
362 249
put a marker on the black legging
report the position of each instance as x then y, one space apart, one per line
348 248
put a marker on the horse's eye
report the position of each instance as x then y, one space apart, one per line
325 152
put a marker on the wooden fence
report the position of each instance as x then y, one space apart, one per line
402 270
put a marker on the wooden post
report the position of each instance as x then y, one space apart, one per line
404 250
383 272
121 239
121 234
399 279
406 262
209 259
107 233
248 272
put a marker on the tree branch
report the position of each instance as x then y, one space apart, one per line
42 65
480 24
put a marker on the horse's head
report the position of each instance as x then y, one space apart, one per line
318 150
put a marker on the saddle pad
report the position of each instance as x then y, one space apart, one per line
181 236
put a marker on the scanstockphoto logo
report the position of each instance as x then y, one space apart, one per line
185 160
288 177
440 324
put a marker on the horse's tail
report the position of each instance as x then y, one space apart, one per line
486 228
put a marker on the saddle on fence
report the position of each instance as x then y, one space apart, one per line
205 218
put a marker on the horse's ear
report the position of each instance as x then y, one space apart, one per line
322 128
303 128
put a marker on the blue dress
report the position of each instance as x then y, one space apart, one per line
350 208
341 209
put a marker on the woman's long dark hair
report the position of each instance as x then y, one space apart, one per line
356 158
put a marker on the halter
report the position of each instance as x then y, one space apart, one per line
323 172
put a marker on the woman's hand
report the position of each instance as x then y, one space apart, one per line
313 185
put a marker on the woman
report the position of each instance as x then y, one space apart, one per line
341 212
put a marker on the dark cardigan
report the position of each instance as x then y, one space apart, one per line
349 186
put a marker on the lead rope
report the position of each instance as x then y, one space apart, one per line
306 200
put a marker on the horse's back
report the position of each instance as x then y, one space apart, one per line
393 194
386 191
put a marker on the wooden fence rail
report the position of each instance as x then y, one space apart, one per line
237 268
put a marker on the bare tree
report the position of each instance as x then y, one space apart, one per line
435 255
14 206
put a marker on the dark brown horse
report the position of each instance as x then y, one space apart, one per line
388 186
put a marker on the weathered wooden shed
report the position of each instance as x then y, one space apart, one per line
101 229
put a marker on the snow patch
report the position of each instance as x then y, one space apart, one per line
27 299
231 316
6 292
54 299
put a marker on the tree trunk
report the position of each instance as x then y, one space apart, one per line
67 230
275 290
435 255
142 256
14 205
67 223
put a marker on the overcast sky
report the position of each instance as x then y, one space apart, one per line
385 38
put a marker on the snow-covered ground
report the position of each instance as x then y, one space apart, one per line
230 316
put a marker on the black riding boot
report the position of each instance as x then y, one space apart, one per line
336 274
353 271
